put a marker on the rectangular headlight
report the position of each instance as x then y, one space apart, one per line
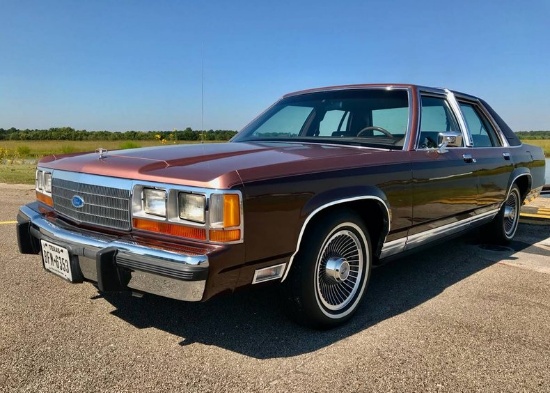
154 202
39 180
192 207
48 182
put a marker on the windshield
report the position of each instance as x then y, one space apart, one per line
370 117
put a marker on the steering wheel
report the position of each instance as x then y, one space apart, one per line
427 143
375 128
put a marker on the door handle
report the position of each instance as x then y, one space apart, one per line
468 158
506 156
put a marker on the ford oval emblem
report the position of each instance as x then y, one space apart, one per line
77 201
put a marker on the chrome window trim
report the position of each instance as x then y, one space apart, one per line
410 126
477 104
469 141
320 208
172 191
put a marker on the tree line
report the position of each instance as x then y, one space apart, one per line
70 134
533 134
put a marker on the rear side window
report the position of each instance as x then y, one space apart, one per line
483 133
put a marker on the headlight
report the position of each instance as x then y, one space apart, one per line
39 180
192 207
154 202
194 213
48 182
44 187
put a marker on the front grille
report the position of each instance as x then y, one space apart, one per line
103 206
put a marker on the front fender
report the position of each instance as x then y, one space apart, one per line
341 197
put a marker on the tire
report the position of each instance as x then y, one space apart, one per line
330 272
503 227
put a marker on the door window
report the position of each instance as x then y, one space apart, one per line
483 133
436 117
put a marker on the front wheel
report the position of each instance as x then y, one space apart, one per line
330 272
503 227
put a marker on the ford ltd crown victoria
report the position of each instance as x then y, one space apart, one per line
318 189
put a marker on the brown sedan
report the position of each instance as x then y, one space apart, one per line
310 195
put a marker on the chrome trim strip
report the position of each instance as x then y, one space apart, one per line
455 107
393 247
106 181
442 231
340 201
410 126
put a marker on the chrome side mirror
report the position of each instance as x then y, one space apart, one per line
448 139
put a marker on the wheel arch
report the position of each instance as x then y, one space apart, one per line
369 203
521 177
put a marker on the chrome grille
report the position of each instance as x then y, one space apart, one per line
104 206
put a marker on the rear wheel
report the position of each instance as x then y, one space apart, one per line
503 227
330 273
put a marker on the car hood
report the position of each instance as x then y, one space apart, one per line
217 165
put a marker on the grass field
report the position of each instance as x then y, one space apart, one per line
18 158
544 143
17 173
37 149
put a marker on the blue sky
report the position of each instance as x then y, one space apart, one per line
142 65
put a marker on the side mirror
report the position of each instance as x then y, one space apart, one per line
448 139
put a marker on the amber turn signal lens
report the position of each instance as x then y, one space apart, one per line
224 236
44 198
231 211
170 229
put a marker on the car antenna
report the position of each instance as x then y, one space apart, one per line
202 92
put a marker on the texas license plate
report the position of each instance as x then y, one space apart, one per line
56 260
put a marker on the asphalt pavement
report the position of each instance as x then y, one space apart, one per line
463 316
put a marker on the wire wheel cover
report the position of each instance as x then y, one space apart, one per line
511 213
337 283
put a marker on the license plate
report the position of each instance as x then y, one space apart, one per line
56 260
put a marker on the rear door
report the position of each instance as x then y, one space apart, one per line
491 153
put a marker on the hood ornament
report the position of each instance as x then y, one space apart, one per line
102 153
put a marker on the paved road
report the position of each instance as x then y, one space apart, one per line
460 317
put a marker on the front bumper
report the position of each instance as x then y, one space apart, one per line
113 263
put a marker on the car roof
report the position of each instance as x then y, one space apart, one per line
374 85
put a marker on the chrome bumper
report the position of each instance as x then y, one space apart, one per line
116 264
